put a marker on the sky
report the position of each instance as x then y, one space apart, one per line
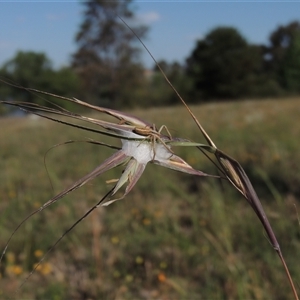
174 26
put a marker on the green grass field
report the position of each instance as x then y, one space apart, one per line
174 236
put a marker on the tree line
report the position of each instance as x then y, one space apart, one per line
106 69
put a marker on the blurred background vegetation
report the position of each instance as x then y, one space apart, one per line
174 236
106 69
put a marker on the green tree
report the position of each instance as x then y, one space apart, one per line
32 69
284 56
291 69
26 69
223 65
159 91
107 59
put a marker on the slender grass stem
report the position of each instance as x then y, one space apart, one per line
288 273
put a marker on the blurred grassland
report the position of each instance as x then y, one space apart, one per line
174 236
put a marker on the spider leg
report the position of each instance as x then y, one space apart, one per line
164 127
158 138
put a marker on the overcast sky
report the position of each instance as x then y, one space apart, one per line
50 26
